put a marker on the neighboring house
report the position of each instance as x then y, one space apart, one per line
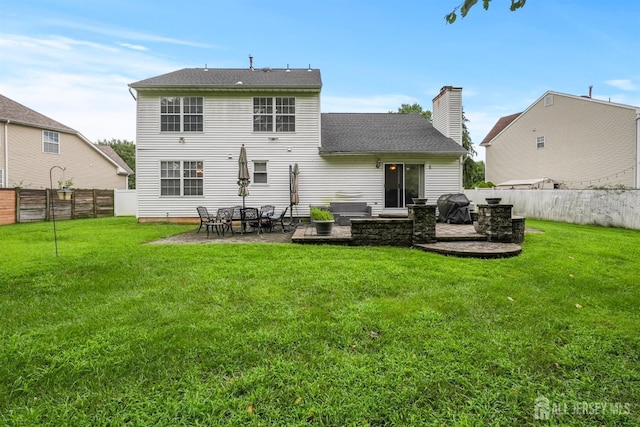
575 141
31 144
191 124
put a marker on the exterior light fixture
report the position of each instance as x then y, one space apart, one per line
181 140
378 163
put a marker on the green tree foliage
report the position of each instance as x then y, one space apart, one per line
126 150
469 165
465 6
477 175
413 108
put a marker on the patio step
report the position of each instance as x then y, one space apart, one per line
472 249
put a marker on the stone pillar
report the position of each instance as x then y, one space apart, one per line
517 229
495 222
424 223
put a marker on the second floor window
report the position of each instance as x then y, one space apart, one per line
181 114
50 142
274 114
540 142
181 178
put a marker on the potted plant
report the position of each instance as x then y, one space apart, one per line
64 189
323 220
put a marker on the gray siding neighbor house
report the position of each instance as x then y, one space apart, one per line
191 124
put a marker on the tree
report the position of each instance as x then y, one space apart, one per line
465 6
478 174
469 165
126 150
413 108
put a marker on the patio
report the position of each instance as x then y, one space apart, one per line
452 239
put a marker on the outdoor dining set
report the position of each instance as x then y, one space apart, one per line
249 219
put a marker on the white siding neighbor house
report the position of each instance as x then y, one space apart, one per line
191 124
574 141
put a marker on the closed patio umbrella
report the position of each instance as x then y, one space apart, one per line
294 197
293 187
243 174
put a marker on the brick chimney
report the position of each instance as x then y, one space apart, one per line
447 112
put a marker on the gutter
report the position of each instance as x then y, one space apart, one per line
637 165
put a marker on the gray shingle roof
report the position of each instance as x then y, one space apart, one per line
361 133
15 112
227 78
109 151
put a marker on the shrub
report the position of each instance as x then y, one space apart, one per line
321 214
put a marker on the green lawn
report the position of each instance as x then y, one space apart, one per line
117 332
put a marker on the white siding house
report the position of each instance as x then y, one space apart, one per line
191 124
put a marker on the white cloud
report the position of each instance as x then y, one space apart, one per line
123 33
133 46
622 84
78 83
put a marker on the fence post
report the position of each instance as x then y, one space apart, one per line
47 204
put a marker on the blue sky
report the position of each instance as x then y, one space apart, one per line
72 60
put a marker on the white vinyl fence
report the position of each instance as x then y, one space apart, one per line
612 208
125 202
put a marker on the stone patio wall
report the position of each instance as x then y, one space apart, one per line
382 232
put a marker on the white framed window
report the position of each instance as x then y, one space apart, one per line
260 172
50 142
181 178
276 114
181 114
540 142
548 100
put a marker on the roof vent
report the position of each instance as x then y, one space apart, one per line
250 63
266 69
309 67
288 70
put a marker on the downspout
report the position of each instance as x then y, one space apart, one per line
6 155
637 165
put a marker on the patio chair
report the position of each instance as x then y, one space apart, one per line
224 220
279 218
205 217
250 217
266 212
235 214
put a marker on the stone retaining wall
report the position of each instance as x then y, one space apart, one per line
382 232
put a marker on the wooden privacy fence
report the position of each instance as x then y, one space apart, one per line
24 205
